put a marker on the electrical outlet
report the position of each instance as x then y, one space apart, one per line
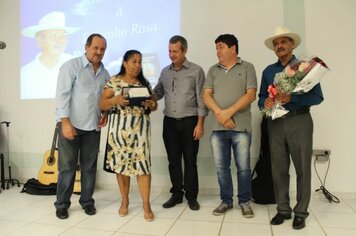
322 158
321 154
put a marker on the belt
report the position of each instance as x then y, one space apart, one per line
296 112
182 118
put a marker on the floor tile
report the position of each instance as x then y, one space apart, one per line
24 214
324 205
36 229
103 221
339 231
137 224
9 226
338 220
196 228
283 230
351 203
29 213
86 232
241 229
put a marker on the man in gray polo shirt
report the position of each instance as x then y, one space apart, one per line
229 90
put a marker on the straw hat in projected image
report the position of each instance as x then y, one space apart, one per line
52 21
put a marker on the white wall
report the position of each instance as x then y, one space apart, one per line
329 33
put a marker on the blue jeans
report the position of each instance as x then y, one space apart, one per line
84 146
222 142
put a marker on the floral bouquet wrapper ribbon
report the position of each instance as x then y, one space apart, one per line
298 77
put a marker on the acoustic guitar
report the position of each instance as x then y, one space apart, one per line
49 170
77 185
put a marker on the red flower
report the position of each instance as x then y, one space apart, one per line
272 91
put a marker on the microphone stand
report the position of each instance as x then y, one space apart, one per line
2 172
10 179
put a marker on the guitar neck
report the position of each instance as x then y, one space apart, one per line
54 141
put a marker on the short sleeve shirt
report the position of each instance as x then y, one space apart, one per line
228 87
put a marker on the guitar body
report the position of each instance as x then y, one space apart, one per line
49 171
77 189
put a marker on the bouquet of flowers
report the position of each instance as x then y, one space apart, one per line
298 77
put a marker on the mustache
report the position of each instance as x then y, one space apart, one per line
280 49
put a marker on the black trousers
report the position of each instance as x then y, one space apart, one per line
180 144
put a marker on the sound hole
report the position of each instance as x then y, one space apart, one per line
50 161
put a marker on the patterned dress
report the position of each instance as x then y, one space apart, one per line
128 145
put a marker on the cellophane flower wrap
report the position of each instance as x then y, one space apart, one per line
298 77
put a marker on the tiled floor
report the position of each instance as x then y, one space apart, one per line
23 214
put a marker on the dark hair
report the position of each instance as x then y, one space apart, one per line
129 54
181 39
90 39
228 39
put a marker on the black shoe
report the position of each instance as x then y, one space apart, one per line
62 213
279 219
90 210
298 222
172 202
193 205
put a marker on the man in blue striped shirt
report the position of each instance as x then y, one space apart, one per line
79 87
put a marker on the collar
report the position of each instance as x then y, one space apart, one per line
293 58
86 62
186 65
239 61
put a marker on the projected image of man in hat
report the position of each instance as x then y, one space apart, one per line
39 76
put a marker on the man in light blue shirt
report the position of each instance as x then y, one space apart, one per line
79 87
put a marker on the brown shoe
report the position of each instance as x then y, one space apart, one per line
246 209
222 209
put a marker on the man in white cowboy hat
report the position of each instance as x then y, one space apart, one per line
39 76
290 136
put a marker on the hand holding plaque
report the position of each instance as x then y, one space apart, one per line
136 95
